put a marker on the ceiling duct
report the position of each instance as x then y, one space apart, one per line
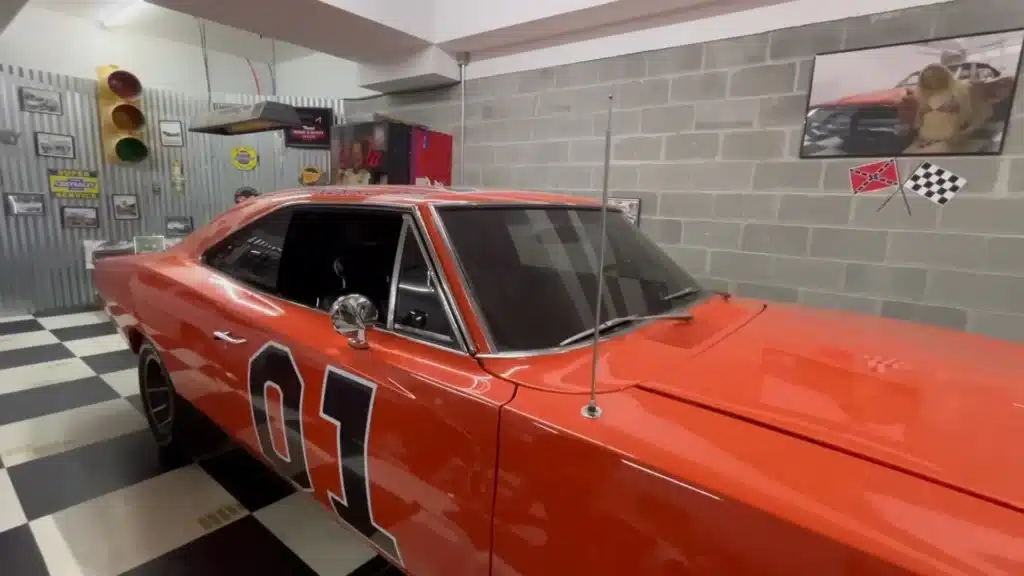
246 119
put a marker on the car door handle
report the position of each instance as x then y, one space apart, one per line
227 337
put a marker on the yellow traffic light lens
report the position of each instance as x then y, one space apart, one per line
124 84
127 117
131 149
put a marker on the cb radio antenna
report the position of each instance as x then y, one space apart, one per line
592 410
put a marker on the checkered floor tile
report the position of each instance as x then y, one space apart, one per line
82 492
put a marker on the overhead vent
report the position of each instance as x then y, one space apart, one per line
247 119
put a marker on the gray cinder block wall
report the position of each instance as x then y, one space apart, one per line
707 136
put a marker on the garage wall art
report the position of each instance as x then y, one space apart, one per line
941 97
52 155
315 131
244 158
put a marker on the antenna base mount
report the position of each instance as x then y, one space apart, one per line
591 411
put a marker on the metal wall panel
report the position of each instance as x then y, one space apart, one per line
42 265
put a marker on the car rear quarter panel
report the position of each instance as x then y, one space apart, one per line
657 486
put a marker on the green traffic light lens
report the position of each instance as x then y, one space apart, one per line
131 150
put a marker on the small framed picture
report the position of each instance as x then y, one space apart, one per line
172 134
126 206
26 204
72 217
40 101
52 145
629 206
178 226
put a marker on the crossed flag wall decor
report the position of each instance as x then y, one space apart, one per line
929 181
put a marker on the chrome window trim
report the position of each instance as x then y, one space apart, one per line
393 289
474 306
458 341
462 331
405 210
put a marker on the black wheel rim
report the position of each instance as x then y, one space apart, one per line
158 400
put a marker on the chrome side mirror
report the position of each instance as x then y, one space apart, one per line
353 313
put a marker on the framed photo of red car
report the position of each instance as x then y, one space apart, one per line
940 97
315 131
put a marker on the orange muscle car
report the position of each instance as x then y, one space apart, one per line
419 361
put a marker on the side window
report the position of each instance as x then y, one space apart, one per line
252 255
419 310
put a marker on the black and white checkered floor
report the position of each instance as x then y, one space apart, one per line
82 492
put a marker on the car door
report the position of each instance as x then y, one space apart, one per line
397 439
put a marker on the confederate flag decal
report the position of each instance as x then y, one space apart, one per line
874 176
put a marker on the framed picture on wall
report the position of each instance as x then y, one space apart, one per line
50 145
172 134
24 204
72 217
940 97
629 206
40 101
126 206
178 226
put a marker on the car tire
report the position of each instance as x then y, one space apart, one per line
166 412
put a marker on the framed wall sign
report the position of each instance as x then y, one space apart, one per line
315 131
126 206
79 217
40 101
50 145
178 226
24 204
172 134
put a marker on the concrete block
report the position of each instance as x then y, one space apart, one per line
766 292
509 108
958 18
889 282
924 214
1004 326
570 177
813 273
764 80
789 110
992 292
746 206
662 230
624 122
733 52
619 178
712 234
721 176
536 80
497 176
667 119
545 153
665 177
890 27
536 178
725 114
787 176
849 244
844 302
693 259
753 145
700 86
824 209
1015 185
675 60
1005 254
563 127
984 215
941 250
586 151
741 266
803 75
775 239
642 93
692 146
941 316
693 205
805 41
573 101
633 148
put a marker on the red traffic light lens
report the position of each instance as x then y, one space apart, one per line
124 84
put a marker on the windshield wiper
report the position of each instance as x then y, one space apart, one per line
684 293
621 321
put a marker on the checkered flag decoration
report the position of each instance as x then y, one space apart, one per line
935 183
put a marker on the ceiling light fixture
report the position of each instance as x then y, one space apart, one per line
122 14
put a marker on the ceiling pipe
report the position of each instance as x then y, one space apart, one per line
462 58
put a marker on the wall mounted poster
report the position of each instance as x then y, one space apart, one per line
148 244
126 206
950 96
79 217
315 131
25 204
51 145
40 101
178 226
172 134
84 184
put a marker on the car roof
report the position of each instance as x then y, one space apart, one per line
416 195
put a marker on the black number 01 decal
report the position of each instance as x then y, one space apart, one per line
347 403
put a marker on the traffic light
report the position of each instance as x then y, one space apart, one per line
122 122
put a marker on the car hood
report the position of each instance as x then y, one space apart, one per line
890 97
939 404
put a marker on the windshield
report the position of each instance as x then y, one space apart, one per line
533 271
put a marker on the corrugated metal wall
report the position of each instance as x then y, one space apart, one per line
42 265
